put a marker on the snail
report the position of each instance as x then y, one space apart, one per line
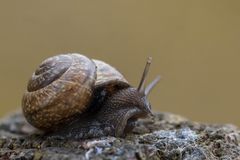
73 96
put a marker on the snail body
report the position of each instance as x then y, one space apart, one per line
72 96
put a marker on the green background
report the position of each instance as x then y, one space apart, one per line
194 44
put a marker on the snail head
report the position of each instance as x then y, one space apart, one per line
145 90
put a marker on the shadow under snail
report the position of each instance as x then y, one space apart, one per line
72 96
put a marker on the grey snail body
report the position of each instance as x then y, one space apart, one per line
72 96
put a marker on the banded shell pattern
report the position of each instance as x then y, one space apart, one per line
66 85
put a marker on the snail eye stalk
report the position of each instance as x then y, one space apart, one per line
144 76
152 85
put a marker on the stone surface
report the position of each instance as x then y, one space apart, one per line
167 136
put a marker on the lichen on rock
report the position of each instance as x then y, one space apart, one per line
167 136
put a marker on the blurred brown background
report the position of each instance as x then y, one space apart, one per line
194 44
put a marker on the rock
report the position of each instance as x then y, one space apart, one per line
167 136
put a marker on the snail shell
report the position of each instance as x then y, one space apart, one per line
67 85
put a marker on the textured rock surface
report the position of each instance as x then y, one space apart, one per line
168 137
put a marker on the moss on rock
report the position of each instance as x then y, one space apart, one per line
167 136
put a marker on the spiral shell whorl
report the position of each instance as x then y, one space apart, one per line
50 70
61 87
